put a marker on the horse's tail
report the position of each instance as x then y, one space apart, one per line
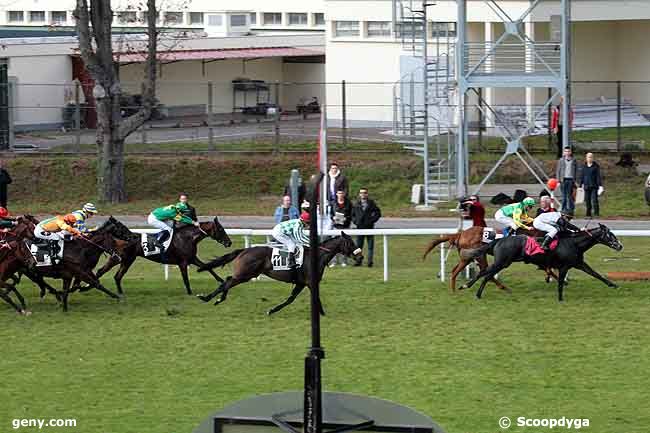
473 253
220 261
452 239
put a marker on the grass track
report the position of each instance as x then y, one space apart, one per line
131 367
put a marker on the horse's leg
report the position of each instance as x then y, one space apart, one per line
20 298
125 265
4 295
584 267
66 292
560 283
186 280
490 272
43 285
90 278
294 293
199 263
483 264
209 297
454 273
110 264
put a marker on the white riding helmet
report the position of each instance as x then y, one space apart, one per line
89 208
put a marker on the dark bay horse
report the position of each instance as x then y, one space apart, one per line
182 251
249 263
568 254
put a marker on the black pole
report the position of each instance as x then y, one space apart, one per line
313 403
619 139
344 110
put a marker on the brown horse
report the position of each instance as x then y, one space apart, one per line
182 251
467 242
249 263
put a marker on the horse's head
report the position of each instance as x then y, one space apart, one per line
216 231
120 231
606 237
349 248
25 227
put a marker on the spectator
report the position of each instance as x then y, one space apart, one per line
566 174
475 210
285 211
5 180
592 181
365 214
335 181
341 216
302 191
556 125
190 212
545 205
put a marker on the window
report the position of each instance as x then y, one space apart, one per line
253 18
319 19
237 20
37 16
145 20
59 17
173 18
346 28
196 17
443 30
272 18
127 17
297 19
215 20
15 16
378 29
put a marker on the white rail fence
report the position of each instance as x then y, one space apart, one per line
248 234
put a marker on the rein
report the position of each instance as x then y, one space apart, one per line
104 250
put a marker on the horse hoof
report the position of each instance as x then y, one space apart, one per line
203 298
463 287
26 313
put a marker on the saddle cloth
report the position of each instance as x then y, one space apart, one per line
280 258
42 251
150 245
489 235
534 247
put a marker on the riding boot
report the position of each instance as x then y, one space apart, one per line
546 245
506 232
54 252
293 266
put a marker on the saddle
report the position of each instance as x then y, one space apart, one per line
534 246
46 252
280 258
150 244
490 235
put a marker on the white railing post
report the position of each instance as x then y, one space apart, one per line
442 262
385 258
247 241
166 272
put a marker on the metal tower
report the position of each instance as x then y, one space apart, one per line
513 60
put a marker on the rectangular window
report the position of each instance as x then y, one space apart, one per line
319 19
15 16
346 28
237 20
127 17
443 30
59 17
253 18
297 19
196 17
272 18
378 29
215 20
37 16
172 18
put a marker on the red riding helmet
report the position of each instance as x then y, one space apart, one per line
3 212
305 217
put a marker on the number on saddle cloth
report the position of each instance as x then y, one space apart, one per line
150 244
490 235
280 258
44 251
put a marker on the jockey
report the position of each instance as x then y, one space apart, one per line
551 223
6 222
86 212
163 218
292 234
55 228
515 215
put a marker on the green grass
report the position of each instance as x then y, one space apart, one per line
130 367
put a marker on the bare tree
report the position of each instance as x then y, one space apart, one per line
94 20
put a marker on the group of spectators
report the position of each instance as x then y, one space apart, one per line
342 212
586 176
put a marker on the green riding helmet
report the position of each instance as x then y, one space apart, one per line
181 207
529 201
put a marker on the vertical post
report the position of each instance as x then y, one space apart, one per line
276 140
344 114
166 272
143 129
385 258
210 117
425 96
294 183
442 262
480 119
10 113
461 145
619 140
77 116
247 241
549 117
565 69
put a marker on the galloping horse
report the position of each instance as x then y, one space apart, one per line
249 263
182 251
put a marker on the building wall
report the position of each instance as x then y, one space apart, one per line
304 80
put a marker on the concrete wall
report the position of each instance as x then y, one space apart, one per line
308 79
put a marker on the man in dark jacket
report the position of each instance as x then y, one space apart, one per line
5 180
190 212
336 181
341 215
566 174
365 215
591 180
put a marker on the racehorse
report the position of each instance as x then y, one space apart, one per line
182 251
467 242
249 263
568 254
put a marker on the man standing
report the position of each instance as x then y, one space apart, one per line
365 214
336 181
591 181
5 180
190 212
285 211
341 217
566 172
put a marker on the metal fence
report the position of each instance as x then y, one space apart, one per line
285 117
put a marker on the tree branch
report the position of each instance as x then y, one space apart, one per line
85 40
